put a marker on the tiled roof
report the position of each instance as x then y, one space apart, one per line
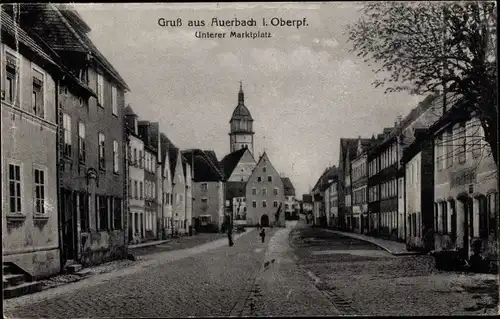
235 189
229 162
63 32
203 167
289 190
8 25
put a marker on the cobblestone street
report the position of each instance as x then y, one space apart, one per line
301 271
362 279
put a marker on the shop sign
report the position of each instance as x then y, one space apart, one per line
463 177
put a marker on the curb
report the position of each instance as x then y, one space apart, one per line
404 253
153 243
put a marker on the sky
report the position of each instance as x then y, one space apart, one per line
303 86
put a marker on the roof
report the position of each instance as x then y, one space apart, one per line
15 31
204 170
241 112
289 190
421 135
306 198
229 162
235 189
128 111
213 158
323 181
64 30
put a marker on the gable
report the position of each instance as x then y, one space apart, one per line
179 171
244 168
270 171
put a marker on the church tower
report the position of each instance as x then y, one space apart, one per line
241 134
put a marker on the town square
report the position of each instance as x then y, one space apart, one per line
249 159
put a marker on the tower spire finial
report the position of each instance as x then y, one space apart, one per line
241 97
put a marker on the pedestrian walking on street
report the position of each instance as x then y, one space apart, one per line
263 235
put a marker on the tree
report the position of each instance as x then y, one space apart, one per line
427 47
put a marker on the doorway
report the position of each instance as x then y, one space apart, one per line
264 221
69 224
468 225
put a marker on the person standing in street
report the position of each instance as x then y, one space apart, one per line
263 234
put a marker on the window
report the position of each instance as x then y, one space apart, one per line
275 191
83 202
459 141
400 190
141 190
67 135
254 191
136 190
491 210
114 100
134 157
12 79
269 178
102 163
15 188
264 192
39 191
100 90
476 135
81 142
116 162
275 203
204 200
254 204
37 99
102 204
140 159
116 209
259 179
264 169
130 194
204 187
264 203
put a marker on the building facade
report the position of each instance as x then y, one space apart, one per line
93 169
418 163
360 190
29 78
208 191
265 195
149 133
333 203
136 214
290 200
466 185
166 183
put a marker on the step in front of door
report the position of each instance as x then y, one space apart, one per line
22 289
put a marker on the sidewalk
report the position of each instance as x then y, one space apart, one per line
392 247
147 254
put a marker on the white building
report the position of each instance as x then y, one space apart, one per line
137 218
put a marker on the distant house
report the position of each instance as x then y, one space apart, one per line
166 185
136 227
359 179
208 190
307 207
237 168
264 194
321 196
290 200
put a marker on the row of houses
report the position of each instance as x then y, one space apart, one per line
429 181
85 176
